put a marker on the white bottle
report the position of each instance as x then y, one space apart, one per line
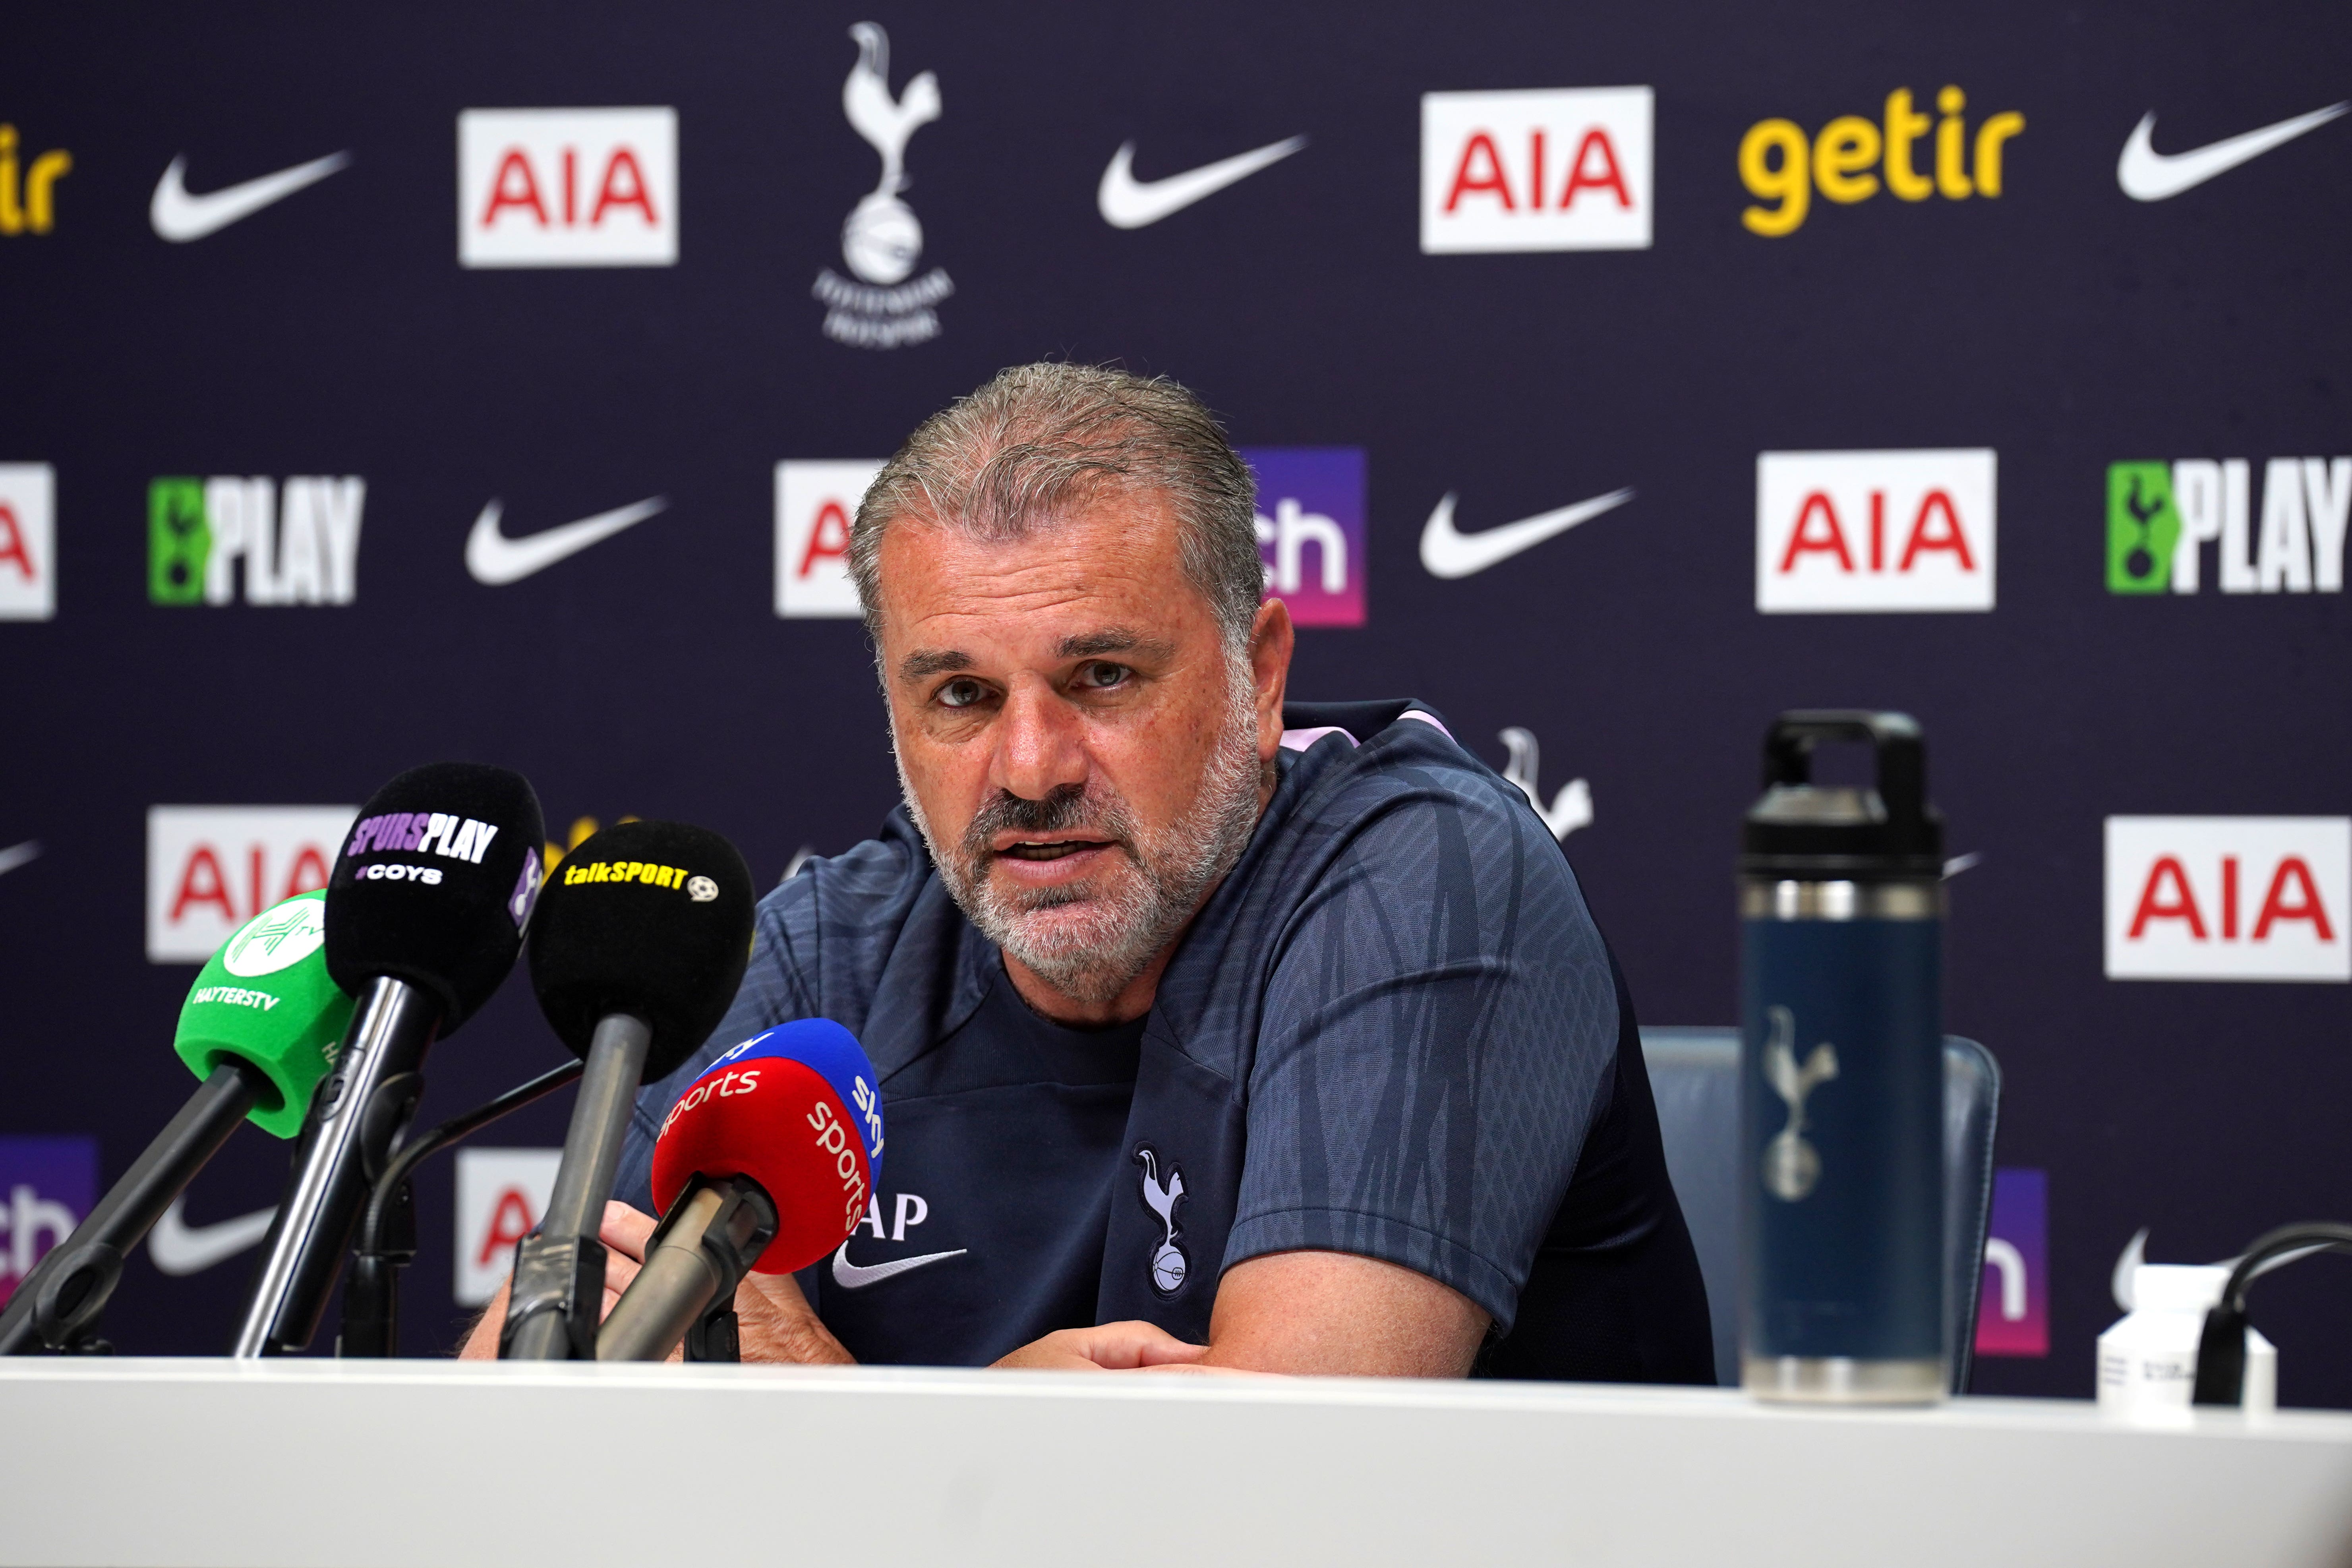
2148 1361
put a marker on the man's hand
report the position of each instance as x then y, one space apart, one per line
775 1322
1111 1347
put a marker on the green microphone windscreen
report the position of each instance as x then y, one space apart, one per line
266 998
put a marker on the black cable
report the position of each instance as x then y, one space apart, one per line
456 1128
2222 1348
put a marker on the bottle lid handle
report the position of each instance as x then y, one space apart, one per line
1901 750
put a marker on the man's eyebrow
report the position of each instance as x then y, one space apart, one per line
1113 639
933 661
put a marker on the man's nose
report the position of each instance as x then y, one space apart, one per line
1040 746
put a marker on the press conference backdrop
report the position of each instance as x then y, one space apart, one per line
497 383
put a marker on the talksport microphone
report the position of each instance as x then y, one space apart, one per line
425 912
767 1162
259 1030
640 940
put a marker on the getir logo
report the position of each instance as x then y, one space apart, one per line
46 1188
210 868
1873 531
1311 531
297 546
2228 897
29 201
2160 517
29 561
1560 169
567 188
815 504
502 1192
1780 164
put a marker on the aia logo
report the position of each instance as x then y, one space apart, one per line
567 188
28 562
2228 897
1563 169
1311 531
502 1192
1874 530
815 504
210 868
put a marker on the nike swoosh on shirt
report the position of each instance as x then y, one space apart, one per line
850 1276
18 855
179 216
1447 553
1127 201
2148 176
179 1247
496 559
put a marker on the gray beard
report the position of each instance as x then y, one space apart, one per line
1089 942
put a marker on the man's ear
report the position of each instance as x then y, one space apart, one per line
1272 639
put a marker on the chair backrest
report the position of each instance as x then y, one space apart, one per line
1695 1077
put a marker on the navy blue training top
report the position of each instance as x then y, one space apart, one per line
1394 1030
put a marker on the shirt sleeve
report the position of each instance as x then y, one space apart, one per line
1436 1038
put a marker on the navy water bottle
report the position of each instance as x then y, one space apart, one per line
1841 1092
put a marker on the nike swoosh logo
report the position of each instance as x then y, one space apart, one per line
2148 176
179 216
850 1276
1447 553
179 1247
496 559
1127 201
18 855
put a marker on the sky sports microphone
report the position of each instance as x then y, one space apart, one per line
640 940
425 912
258 1030
767 1162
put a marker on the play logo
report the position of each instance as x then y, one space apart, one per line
1874 530
2160 517
1556 169
2013 1313
298 545
1312 530
210 868
46 1188
567 188
815 504
2228 897
28 559
501 1194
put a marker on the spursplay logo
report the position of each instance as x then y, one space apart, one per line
297 546
2160 517
882 241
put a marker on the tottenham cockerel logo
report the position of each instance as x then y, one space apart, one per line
1168 1265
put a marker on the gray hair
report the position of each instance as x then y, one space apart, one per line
1040 439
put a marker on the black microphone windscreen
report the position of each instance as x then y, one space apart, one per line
433 884
652 919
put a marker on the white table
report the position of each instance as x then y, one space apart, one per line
193 1462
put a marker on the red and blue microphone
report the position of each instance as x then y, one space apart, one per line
764 1165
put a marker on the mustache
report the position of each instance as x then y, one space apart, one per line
1066 807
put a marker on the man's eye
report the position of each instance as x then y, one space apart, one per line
1101 676
960 693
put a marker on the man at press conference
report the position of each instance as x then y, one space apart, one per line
1213 1032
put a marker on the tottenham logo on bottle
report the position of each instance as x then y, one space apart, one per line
1311 531
2160 517
501 1194
210 868
1780 164
881 240
1792 1166
29 561
815 503
297 546
2228 897
46 1188
28 200
1560 169
1169 1263
567 188
1874 530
